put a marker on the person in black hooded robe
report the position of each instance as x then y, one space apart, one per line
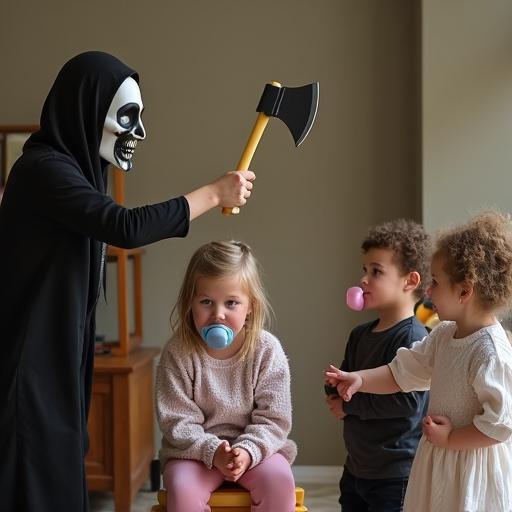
55 219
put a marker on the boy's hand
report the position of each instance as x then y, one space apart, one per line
335 405
347 383
223 458
437 430
240 463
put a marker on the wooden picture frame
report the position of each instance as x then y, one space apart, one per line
12 139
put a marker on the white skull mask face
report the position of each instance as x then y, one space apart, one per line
123 126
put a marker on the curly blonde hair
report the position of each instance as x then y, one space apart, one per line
219 260
480 252
411 246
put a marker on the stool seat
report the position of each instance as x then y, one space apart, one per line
230 498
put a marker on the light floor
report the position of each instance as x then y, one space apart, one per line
319 482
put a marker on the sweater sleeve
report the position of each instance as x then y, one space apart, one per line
180 419
65 197
271 418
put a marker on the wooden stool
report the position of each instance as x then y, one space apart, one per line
230 499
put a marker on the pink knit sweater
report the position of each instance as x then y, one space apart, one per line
201 400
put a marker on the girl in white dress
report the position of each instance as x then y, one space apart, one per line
464 459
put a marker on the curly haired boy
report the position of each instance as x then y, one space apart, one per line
381 432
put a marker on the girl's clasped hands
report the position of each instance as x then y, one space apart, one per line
231 462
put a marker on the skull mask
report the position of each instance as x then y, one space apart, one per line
123 126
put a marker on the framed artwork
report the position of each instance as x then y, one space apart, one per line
12 139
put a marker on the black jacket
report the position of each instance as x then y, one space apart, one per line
54 221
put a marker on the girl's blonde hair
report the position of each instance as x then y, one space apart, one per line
220 260
480 252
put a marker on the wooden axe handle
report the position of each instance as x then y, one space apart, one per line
250 148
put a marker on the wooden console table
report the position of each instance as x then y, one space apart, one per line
121 424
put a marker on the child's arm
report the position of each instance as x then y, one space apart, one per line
468 438
440 432
271 418
179 417
493 387
369 406
379 381
410 370
492 384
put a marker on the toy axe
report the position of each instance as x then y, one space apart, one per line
295 106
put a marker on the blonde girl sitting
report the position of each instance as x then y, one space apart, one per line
464 459
223 388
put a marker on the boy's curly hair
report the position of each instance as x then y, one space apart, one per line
410 243
480 252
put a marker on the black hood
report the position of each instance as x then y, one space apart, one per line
74 112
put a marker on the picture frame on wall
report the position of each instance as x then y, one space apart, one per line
12 139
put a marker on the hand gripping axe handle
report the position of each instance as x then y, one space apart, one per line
295 106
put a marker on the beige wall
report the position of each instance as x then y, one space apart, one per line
467 108
203 65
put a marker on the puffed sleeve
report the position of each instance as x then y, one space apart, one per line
412 367
493 386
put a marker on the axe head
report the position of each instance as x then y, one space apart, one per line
295 106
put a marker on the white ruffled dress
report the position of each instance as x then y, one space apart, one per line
470 381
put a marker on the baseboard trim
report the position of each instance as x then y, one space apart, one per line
328 475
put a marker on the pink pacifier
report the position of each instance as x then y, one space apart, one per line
355 298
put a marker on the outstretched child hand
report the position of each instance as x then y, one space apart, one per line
437 430
335 405
347 383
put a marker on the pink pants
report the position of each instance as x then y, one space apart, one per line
189 484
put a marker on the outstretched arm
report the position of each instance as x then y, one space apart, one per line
271 419
232 189
379 381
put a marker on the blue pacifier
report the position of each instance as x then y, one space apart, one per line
217 335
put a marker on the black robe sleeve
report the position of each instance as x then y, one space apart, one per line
62 195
